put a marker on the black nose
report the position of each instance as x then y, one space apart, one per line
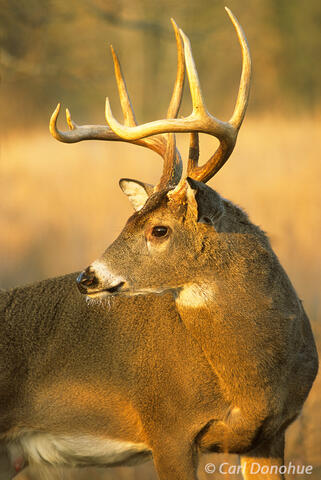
87 280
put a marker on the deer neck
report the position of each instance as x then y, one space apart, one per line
224 332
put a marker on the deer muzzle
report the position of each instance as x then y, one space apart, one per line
92 282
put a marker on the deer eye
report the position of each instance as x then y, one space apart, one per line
160 231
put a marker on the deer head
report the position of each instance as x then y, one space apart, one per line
167 244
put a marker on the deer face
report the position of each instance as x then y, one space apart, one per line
161 248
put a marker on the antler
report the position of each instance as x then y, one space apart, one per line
164 145
200 120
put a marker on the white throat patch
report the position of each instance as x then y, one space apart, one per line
195 295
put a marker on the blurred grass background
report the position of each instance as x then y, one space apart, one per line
61 204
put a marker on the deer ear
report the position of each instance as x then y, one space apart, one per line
137 192
210 206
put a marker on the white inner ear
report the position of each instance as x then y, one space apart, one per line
136 193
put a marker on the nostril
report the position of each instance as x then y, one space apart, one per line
87 279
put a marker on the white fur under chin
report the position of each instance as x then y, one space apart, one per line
195 295
78 449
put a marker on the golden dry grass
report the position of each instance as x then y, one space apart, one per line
61 206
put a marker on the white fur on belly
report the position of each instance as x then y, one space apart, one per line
77 449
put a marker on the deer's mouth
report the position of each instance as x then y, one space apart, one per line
100 292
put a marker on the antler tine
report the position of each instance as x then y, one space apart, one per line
200 120
156 143
245 82
125 102
173 167
177 94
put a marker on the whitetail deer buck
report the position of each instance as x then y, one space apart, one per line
195 340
